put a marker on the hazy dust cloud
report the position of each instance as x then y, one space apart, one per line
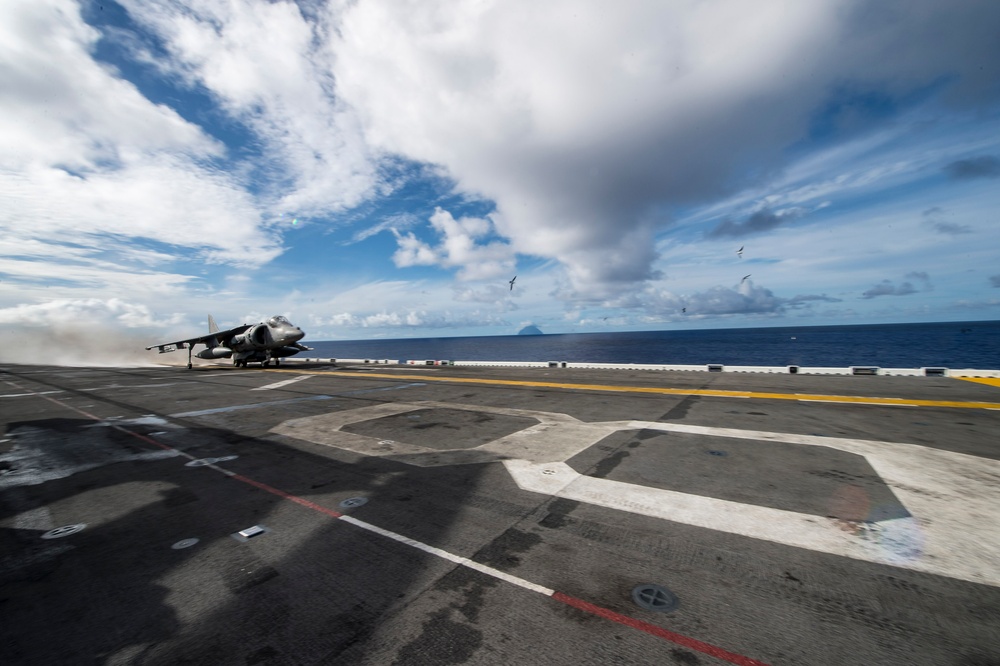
81 345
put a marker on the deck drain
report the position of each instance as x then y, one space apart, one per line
718 453
184 543
655 598
352 502
65 530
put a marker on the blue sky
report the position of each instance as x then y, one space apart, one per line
383 169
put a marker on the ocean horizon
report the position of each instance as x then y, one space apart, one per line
974 344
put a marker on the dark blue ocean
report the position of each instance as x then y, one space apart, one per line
949 345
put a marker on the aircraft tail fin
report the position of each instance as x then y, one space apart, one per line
212 326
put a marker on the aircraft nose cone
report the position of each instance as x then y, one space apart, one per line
297 334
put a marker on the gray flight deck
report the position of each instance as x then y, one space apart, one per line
472 515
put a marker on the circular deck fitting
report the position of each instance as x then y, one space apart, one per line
184 543
352 502
65 530
655 598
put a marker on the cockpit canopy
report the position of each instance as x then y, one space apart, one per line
278 321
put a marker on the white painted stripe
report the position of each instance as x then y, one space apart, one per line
22 395
457 559
131 386
282 383
39 519
256 405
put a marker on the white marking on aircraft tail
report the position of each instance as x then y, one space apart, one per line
282 383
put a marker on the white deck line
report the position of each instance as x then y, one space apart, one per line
929 371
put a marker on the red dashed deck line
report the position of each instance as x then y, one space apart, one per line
579 604
660 632
282 494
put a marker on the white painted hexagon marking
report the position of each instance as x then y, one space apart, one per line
952 497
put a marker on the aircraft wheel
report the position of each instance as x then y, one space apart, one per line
266 363
277 363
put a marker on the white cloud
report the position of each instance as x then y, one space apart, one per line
458 248
267 66
581 120
392 223
595 130
60 107
83 312
88 164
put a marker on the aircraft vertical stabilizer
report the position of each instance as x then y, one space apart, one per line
212 326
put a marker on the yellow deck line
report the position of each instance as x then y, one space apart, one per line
990 381
659 390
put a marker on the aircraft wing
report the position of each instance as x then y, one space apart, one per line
220 337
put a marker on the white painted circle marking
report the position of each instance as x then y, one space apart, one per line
184 543
63 531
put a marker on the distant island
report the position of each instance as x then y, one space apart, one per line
531 329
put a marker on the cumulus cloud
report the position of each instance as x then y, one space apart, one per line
984 166
888 288
583 125
589 129
499 297
718 301
810 298
88 161
935 217
758 222
266 64
412 319
87 311
744 299
458 248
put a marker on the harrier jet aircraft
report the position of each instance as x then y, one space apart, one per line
250 343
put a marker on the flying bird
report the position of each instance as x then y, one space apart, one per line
512 282
740 252
745 278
